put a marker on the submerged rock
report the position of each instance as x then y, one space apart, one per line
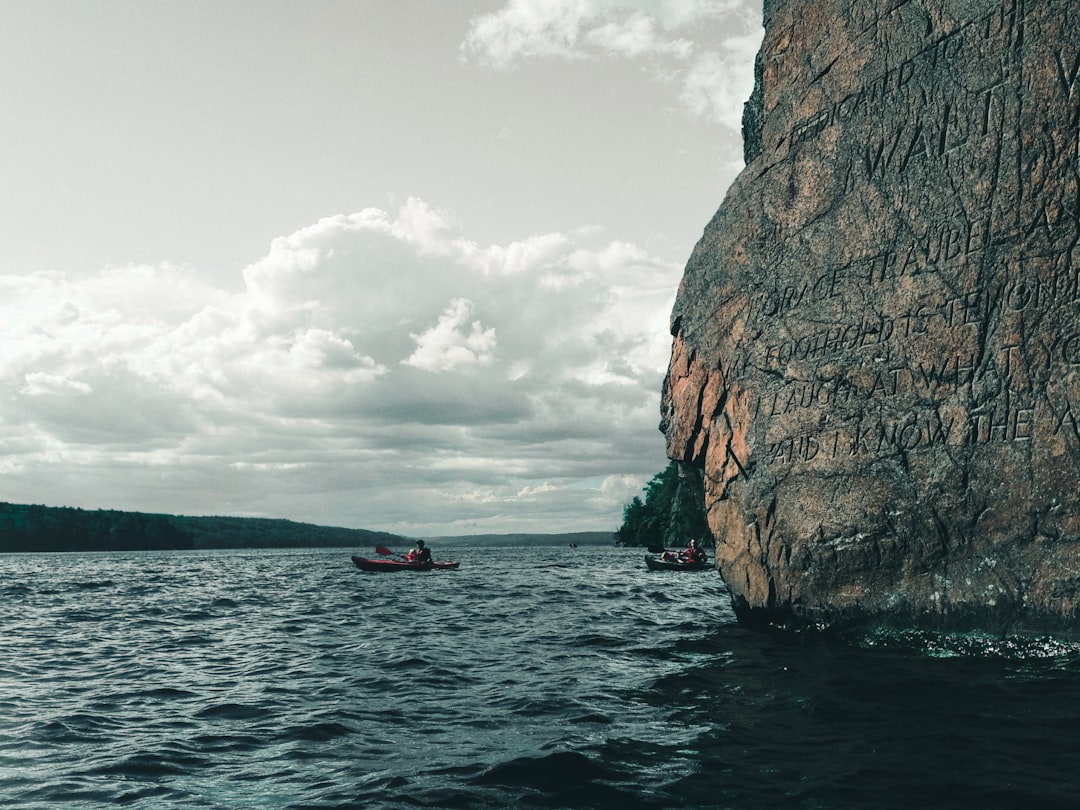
876 357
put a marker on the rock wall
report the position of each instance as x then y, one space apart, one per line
876 356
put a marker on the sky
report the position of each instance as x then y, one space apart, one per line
403 265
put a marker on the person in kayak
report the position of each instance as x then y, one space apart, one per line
420 554
693 553
690 554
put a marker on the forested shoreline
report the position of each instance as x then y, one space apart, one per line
33 527
672 512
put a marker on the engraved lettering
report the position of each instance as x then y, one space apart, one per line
1068 70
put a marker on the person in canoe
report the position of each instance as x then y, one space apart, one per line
420 554
691 554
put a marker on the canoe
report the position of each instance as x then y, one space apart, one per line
656 564
388 566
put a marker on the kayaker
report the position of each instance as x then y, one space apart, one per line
420 554
692 553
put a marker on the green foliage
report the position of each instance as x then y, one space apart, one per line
46 528
673 510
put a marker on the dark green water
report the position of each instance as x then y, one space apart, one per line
542 677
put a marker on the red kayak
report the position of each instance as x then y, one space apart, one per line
387 566
660 564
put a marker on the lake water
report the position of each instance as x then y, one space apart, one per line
543 677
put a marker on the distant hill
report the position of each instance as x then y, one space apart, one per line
51 528
579 538
25 527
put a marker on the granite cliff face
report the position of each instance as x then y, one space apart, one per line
876 356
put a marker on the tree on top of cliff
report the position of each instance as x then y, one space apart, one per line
673 510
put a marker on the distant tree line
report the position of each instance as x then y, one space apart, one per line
524 539
672 512
50 528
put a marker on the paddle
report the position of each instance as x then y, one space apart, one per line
385 550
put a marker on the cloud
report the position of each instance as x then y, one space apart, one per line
448 345
39 383
376 369
706 47
717 82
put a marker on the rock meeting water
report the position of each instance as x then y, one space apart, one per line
545 677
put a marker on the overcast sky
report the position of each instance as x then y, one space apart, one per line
391 264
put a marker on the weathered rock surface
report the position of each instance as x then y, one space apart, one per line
876 356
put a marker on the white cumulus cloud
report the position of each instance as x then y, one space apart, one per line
40 383
706 47
454 341
381 364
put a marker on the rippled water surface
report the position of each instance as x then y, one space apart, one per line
530 677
